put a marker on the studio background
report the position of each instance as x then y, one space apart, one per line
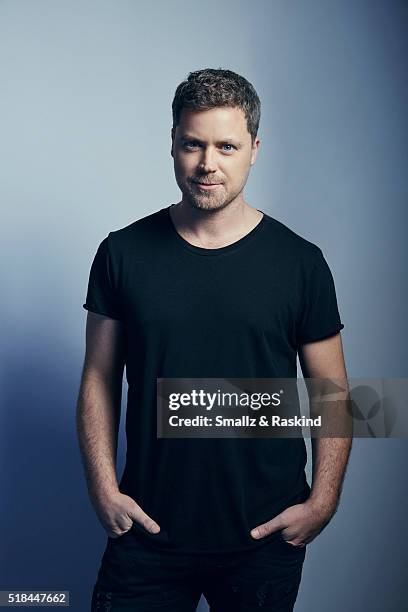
85 113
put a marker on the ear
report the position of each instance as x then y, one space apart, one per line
254 152
172 141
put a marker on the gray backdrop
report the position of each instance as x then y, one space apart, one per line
85 107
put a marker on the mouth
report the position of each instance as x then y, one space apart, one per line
207 185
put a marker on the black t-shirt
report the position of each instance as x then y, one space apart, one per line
239 311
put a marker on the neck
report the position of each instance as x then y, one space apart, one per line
214 229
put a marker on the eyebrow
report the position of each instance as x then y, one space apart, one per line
227 140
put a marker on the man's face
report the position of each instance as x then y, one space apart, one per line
212 147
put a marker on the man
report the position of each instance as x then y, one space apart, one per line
209 287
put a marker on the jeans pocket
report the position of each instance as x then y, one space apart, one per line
292 547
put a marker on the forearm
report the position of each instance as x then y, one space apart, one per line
98 416
329 398
330 457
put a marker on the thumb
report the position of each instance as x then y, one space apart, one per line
138 515
275 524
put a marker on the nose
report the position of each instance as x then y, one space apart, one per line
207 162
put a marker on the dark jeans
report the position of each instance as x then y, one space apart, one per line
135 577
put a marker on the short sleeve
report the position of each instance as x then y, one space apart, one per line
319 315
101 295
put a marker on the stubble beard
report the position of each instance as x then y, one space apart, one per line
208 201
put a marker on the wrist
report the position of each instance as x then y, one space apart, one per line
323 505
103 492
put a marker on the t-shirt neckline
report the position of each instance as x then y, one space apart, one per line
217 251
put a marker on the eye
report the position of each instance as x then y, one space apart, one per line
227 144
190 144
